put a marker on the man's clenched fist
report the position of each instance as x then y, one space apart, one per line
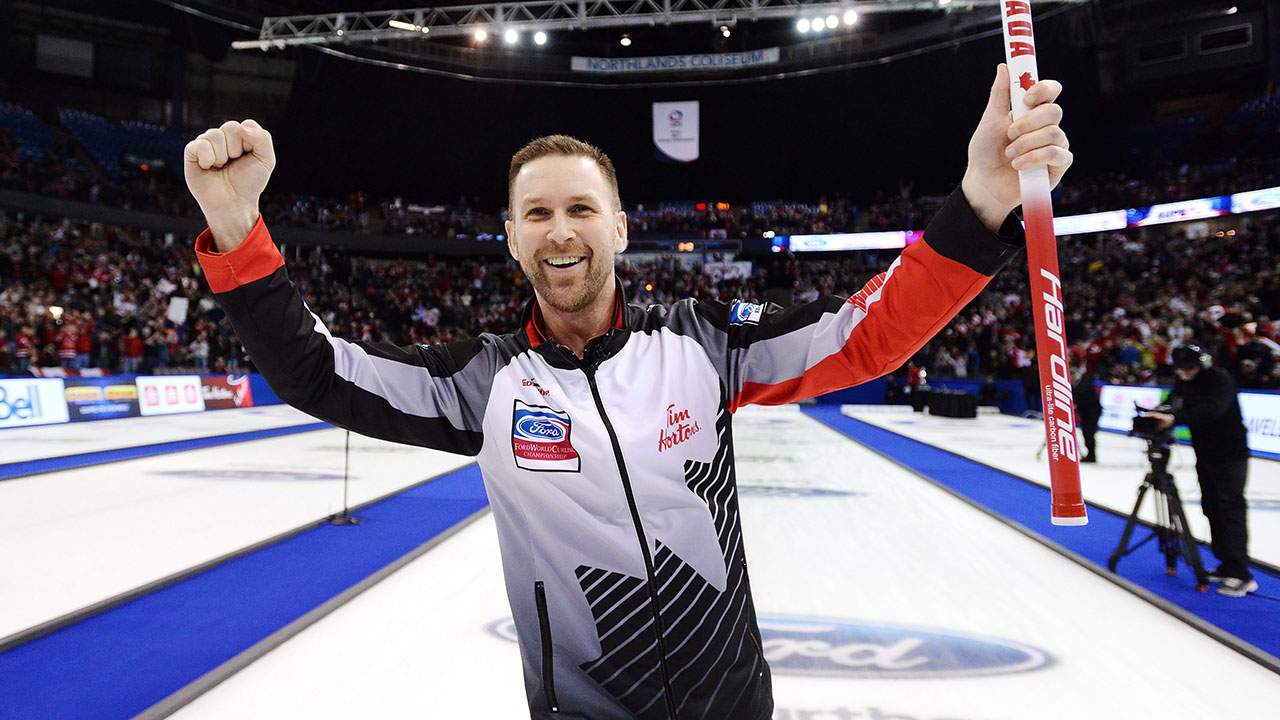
227 169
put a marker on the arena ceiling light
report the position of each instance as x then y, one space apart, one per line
833 22
818 25
850 17
480 35
724 30
539 38
802 25
511 37
625 41
402 25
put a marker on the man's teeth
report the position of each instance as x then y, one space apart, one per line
563 261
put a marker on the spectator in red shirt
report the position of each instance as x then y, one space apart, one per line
131 349
25 348
66 341
84 345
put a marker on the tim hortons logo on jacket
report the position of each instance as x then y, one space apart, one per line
678 429
540 439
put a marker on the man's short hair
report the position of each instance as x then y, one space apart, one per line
561 145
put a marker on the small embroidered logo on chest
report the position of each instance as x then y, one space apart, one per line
679 427
540 439
530 382
745 313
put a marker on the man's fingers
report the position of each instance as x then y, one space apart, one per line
200 152
1052 135
1045 91
998 102
1051 156
216 147
233 136
1038 117
258 141
209 149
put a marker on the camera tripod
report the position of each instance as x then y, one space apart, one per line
1171 530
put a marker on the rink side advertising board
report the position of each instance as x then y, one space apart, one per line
32 401
170 394
1183 211
223 392
1261 412
101 398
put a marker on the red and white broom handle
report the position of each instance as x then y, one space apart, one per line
1046 288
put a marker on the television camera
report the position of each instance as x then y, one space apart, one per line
1170 529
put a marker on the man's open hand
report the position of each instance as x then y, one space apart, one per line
1001 147
227 169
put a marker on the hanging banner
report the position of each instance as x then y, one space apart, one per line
676 63
675 130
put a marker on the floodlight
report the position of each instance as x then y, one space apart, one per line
803 25
511 36
850 17
539 38
481 35
402 25
833 21
625 41
818 24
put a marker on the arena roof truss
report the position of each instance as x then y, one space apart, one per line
549 15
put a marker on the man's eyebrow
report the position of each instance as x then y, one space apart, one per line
527 202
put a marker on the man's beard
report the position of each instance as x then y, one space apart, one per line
567 299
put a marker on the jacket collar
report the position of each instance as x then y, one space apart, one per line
598 348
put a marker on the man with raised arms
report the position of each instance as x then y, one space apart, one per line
603 429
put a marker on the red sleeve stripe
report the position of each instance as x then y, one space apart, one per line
905 315
255 258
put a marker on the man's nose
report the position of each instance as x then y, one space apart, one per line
561 229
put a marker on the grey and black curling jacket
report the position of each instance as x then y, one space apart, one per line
611 478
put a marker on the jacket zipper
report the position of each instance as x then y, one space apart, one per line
644 545
544 626
750 634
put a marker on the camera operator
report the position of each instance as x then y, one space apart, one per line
1204 399
1088 411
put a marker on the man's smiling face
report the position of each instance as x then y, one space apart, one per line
564 230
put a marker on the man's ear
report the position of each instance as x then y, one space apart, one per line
511 239
621 227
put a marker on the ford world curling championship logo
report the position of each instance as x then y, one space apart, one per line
540 439
540 427
848 648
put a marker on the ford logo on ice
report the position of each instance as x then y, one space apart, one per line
540 428
845 648
811 646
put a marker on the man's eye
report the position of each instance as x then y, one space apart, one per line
538 211
581 208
